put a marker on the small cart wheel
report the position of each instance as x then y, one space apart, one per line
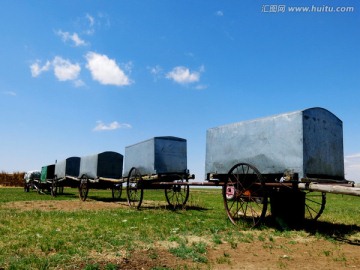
134 190
244 195
83 188
314 204
116 191
54 187
177 195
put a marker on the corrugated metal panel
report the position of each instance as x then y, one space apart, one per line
307 142
106 164
68 167
158 155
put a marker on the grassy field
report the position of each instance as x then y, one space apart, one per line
41 232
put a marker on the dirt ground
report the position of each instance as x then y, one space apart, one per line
302 253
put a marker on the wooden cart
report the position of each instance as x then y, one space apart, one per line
101 171
289 160
157 163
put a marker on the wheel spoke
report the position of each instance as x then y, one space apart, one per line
314 204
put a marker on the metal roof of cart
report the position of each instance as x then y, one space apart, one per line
278 115
173 138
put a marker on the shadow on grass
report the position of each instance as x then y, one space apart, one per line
334 231
149 206
102 199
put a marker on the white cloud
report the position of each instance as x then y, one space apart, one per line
91 20
201 87
183 75
90 23
352 167
352 157
156 72
105 70
64 70
9 93
77 40
36 69
100 126
79 83
219 13
66 36
104 19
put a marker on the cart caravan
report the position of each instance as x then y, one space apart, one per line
99 171
288 160
157 163
54 177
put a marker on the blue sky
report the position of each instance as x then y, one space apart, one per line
81 77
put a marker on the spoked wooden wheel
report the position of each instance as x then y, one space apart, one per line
244 195
54 187
314 204
134 190
116 191
177 195
83 188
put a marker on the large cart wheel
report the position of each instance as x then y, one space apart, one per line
83 188
134 190
116 191
177 195
54 187
314 204
244 195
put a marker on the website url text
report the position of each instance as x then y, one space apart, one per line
313 9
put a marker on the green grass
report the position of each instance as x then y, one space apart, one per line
51 239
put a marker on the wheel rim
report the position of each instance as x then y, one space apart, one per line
117 191
314 204
83 188
177 195
244 195
133 189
